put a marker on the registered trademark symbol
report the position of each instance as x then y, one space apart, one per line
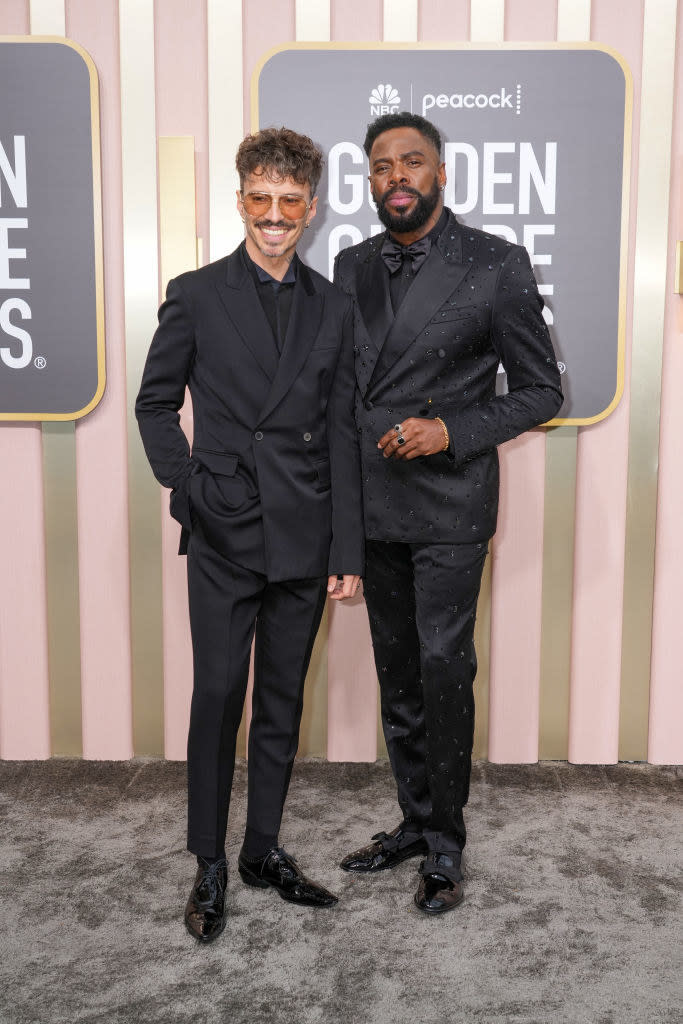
562 367
40 362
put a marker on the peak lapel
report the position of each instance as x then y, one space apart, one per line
374 302
243 306
304 320
439 276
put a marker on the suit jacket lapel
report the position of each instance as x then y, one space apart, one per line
374 302
304 320
243 306
374 299
438 278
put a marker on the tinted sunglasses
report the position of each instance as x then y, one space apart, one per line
258 203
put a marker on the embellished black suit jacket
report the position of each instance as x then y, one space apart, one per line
274 476
473 304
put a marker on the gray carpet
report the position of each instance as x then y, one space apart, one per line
571 912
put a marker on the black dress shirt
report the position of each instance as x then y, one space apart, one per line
276 296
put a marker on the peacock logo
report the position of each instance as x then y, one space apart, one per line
384 99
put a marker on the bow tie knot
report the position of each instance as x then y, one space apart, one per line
394 254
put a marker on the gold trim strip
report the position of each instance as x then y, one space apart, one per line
573 22
557 601
141 291
60 501
61 570
649 288
313 734
177 206
177 253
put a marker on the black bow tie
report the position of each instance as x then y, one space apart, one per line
394 254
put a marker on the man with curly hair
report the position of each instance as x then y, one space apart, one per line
269 502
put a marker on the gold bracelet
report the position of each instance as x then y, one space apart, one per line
447 439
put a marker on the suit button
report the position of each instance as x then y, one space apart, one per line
441 353
368 405
307 436
258 436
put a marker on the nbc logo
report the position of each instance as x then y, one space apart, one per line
384 99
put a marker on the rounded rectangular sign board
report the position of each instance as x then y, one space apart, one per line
51 303
537 144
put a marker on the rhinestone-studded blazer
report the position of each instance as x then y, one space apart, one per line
473 304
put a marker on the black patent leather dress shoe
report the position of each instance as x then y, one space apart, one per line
440 887
205 910
279 870
385 851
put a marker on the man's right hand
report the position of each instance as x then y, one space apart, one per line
420 436
341 589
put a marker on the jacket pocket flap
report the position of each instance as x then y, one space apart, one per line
216 462
449 312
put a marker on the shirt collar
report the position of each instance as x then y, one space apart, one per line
264 277
436 230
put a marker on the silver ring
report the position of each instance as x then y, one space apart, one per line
401 439
397 428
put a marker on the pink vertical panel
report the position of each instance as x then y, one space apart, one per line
182 88
443 20
101 463
24 694
351 684
517 549
182 109
24 691
516 592
265 25
356 20
529 21
601 477
14 18
665 740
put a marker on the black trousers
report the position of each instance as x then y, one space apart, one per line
422 602
229 606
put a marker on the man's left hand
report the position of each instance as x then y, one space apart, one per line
421 437
340 589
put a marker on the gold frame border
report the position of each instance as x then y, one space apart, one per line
97 233
626 167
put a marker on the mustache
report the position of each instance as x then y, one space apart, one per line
274 224
403 190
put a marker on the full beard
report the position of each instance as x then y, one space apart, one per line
403 223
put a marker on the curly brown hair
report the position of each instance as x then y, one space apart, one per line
280 153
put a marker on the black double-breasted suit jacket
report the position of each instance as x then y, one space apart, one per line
473 304
274 477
